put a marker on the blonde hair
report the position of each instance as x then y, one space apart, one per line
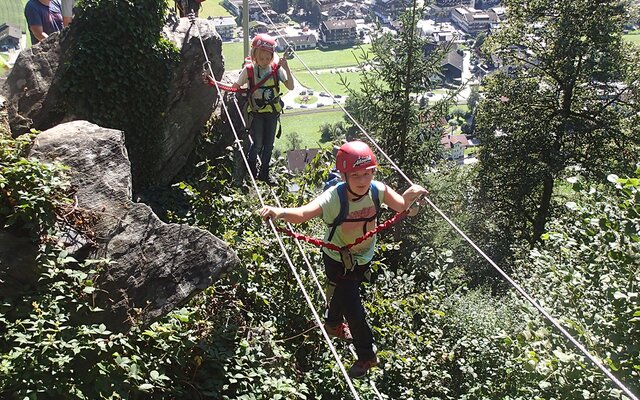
274 56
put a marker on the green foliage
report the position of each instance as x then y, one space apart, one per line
391 76
119 73
332 132
30 191
590 259
568 96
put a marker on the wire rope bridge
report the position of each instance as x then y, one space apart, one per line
276 230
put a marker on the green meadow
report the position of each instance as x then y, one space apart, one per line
12 11
307 125
213 8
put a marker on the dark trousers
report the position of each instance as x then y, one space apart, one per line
347 304
263 134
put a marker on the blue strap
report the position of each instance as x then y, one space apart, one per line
344 209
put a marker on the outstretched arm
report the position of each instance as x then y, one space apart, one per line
399 202
296 215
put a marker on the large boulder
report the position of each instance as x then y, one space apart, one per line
156 266
34 90
33 87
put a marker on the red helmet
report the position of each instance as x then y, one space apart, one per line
264 42
355 156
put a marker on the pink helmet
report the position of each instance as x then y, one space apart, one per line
355 156
264 42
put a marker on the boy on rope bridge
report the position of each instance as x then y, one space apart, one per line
263 75
345 263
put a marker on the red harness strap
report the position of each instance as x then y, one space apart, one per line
321 243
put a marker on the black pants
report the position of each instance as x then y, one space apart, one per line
347 304
263 134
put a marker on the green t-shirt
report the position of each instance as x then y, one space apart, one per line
348 232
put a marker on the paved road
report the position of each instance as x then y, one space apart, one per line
290 97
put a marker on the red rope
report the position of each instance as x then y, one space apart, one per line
321 243
223 86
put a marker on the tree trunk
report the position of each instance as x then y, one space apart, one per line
543 210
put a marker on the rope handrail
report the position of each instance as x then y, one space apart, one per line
273 228
321 243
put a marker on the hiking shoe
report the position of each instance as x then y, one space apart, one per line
360 367
341 331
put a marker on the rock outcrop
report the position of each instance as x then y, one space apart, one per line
155 267
35 96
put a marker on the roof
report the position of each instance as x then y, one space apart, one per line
10 30
297 160
453 58
223 21
448 141
340 24
301 39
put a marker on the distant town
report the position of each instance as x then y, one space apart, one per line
461 25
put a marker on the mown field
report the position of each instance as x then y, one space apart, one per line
633 37
306 125
323 60
12 11
213 8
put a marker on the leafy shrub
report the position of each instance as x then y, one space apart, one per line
590 261
119 49
30 191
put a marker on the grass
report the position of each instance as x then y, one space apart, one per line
633 37
12 11
307 126
330 81
213 8
317 59
314 59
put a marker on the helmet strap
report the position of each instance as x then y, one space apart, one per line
357 196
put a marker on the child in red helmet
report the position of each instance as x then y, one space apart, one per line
263 75
356 164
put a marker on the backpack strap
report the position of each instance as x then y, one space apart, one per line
344 209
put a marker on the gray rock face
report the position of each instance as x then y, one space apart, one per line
35 100
192 101
156 266
33 88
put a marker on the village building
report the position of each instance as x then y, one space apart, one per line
472 21
338 32
10 36
297 160
299 42
224 26
388 11
453 146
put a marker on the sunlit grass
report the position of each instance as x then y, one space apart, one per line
307 125
12 11
212 8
